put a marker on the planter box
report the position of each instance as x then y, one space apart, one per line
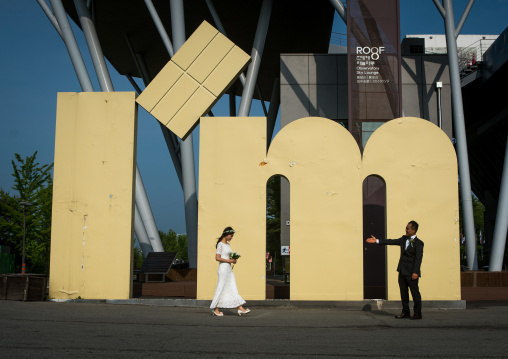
23 287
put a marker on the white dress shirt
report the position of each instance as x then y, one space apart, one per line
407 240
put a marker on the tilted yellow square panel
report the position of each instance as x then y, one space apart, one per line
166 78
194 45
225 73
187 118
175 98
207 56
210 58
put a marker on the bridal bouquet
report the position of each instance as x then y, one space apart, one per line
234 255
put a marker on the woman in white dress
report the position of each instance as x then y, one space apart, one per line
226 294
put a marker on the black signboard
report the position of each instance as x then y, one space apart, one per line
374 65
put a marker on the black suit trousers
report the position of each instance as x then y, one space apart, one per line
405 284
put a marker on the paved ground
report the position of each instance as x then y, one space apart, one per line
88 330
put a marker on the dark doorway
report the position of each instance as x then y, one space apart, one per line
374 223
277 203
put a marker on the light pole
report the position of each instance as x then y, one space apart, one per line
24 204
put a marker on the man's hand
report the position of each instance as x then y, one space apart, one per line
414 276
372 239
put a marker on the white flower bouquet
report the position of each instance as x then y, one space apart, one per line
234 255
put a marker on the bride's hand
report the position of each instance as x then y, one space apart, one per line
233 261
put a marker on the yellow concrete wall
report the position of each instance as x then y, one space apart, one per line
418 163
322 163
232 192
93 196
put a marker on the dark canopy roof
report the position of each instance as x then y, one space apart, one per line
486 117
295 27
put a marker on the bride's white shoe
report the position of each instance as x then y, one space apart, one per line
217 314
240 312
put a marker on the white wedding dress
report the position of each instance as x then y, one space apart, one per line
226 294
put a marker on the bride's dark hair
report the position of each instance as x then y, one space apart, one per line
226 232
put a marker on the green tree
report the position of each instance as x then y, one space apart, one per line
138 258
33 184
173 242
478 215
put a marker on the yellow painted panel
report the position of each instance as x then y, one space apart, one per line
232 192
325 204
159 86
93 196
322 162
175 99
210 58
187 118
418 163
194 45
227 71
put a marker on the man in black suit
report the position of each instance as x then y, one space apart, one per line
411 254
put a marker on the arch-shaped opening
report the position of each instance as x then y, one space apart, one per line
374 223
277 238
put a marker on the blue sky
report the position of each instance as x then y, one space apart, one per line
35 66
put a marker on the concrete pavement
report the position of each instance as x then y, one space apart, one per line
100 330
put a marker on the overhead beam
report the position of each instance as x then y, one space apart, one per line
256 55
186 149
341 10
460 134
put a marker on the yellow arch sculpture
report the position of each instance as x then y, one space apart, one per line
418 163
323 164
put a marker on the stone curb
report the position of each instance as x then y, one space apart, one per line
361 305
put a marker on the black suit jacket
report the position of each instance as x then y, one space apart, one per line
410 258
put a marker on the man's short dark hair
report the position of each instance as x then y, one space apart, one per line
414 225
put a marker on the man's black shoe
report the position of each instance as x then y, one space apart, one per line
416 316
402 316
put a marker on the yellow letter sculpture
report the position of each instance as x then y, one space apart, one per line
322 162
94 174
93 196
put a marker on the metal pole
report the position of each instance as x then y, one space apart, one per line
94 46
463 18
186 149
220 27
50 16
133 83
169 137
258 90
339 7
160 27
143 240
272 111
440 8
80 68
256 55
146 214
142 203
501 227
72 46
460 134
232 105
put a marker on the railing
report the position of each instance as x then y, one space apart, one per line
337 38
470 57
